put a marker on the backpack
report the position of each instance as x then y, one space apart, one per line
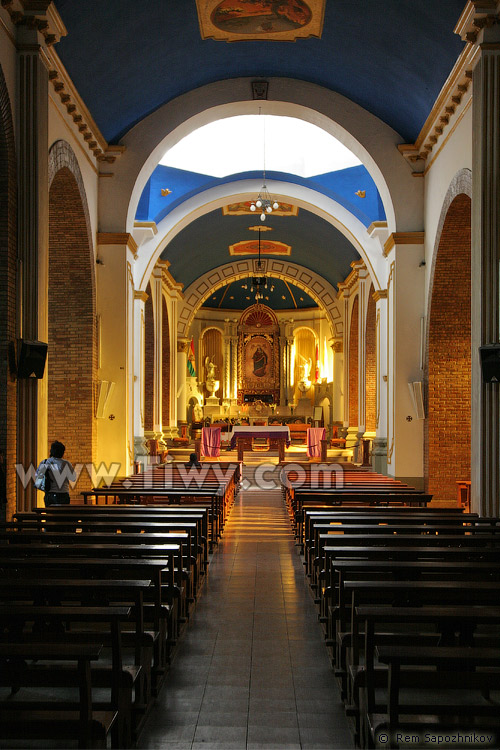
43 480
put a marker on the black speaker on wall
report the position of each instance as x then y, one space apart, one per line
31 359
490 362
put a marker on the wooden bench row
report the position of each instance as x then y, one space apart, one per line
411 616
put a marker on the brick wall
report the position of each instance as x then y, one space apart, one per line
447 428
72 353
149 359
8 387
353 365
371 365
165 392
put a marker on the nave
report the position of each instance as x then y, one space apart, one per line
252 670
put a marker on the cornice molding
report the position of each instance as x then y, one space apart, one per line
170 284
450 97
117 238
43 16
142 296
403 238
379 294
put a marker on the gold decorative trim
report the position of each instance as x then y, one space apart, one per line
379 294
242 208
268 247
403 238
117 238
266 29
183 346
143 296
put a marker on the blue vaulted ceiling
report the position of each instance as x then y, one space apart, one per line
204 244
128 58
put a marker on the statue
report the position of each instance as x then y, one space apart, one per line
197 413
210 368
211 384
304 370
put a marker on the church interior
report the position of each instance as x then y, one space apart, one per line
259 241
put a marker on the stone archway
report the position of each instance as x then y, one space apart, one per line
8 388
72 337
447 446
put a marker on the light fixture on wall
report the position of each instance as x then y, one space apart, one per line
264 202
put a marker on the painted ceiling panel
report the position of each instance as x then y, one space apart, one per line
204 244
128 58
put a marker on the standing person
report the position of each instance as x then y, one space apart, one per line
60 473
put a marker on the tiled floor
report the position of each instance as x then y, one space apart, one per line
252 670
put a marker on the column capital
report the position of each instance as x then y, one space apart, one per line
142 296
118 238
379 294
183 345
402 238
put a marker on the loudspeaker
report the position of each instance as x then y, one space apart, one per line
31 359
490 362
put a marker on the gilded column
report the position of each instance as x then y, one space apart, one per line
182 352
140 446
156 283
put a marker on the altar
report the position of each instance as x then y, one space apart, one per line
243 435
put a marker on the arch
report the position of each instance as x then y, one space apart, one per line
369 248
323 293
371 365
353 363
72 337
447 429
308 328
368 137
8 241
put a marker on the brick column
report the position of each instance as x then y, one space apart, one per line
33 157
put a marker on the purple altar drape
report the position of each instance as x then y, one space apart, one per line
210 442
314 437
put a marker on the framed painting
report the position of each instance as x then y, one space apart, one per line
265 20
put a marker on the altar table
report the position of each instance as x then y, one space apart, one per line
278 436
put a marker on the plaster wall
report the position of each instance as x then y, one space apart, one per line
454 155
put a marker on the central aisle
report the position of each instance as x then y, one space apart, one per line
252 670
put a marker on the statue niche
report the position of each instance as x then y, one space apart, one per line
258 354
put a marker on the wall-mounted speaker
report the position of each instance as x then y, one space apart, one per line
31 359
417 397
490 362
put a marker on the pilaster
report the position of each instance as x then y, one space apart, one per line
485 249
182 352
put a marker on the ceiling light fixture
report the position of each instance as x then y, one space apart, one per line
265 203
259 283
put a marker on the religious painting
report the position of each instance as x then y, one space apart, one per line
243 208
269 20
257 359
258 353
251 247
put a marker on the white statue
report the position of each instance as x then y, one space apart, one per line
210 368
305 369
197 413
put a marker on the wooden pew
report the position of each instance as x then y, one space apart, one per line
441 672
118 678
91 727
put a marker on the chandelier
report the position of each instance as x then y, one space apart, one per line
259 283
264 201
